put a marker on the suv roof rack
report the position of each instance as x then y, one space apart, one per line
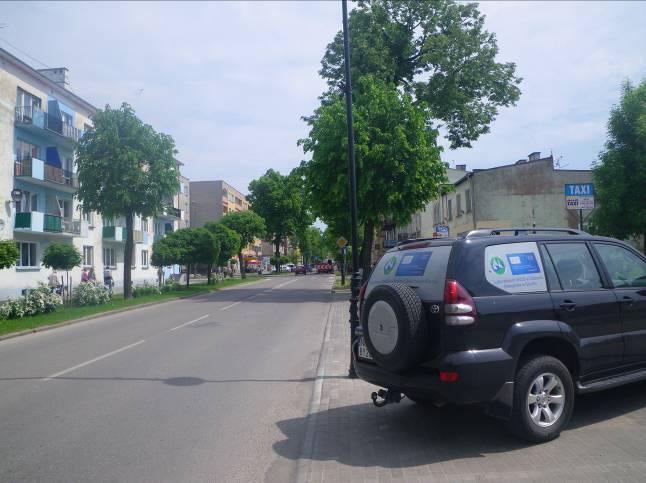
420 240
521 231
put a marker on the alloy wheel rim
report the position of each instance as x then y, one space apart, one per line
546 400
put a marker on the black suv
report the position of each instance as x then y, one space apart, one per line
520 319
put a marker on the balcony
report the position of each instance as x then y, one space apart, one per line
119 234
38 222
39 172
170 213
37 119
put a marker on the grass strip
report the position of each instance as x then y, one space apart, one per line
65 314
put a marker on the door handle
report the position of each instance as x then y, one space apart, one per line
627 300
568 305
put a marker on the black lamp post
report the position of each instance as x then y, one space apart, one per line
356 277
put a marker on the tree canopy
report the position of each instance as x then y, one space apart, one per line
276 198
398 161
9 253
437 50
61 256
249 226
620 173
125 168
228 240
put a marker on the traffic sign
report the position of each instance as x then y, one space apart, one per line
341 242
441 231
579 196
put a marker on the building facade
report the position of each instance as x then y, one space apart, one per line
40 120
530 192
210 200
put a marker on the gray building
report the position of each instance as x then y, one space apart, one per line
210 200
530 192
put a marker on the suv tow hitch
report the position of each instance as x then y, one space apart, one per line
388 396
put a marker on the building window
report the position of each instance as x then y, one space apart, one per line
467 200
28 202
88 256
28 255
87 216
108 222
67 118
144 258
25 150
450 210
458 205
109 259
144 224
87 127
26 100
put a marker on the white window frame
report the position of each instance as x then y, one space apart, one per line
34 255
112 254
88 261
144 259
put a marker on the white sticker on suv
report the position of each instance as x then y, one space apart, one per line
515 267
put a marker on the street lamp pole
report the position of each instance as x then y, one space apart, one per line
356 277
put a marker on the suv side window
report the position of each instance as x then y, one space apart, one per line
550 271
574 266
625 268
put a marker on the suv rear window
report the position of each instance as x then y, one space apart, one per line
422 268
515 267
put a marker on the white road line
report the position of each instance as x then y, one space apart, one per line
232 305
78 366
189 322
283 284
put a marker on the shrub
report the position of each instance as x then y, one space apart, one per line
145 289
91 293
170 284
40 300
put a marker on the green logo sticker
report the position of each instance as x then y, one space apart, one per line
390 265
497 265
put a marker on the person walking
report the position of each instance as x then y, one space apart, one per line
52 281
84 275
91 275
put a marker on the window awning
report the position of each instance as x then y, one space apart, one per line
52 157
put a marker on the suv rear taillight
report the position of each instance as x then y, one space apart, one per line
459 307
362 293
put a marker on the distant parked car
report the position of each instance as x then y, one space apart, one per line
291 267
300 269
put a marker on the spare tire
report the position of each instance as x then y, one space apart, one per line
394 326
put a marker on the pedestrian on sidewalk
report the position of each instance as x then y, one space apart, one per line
52 280
91 275
84 276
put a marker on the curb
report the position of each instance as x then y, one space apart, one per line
44 328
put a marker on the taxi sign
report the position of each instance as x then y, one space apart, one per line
579 196
341 242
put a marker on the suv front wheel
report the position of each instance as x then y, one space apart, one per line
543 399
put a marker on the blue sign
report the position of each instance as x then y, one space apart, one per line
442 230
579 196
523 263
583 189
413 265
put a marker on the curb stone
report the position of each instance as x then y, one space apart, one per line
44 328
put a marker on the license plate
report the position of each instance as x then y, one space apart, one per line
363 350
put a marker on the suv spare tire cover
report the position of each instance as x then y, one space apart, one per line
394 326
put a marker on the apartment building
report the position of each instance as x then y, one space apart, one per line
210 200
40 120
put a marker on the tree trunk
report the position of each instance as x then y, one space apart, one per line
188 275
365 259
243 269
127 257
208 274
277 242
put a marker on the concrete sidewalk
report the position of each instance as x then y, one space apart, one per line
354 441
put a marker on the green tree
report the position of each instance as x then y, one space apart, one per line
228 240
249 226
9 253
620 173
62 256
276 198
398 161
125 168
436 50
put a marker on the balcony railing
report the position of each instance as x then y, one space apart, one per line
36 221
38 169
37 117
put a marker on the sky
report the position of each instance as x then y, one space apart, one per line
230 81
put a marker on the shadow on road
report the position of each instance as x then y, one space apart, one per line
286 295
181 381
408 435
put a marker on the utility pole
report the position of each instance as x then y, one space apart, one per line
355 281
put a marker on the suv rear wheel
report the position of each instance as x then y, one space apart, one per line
543 399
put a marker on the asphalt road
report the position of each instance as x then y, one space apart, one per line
184 391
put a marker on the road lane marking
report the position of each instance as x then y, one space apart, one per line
96 359
283 284
189 323
232 305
